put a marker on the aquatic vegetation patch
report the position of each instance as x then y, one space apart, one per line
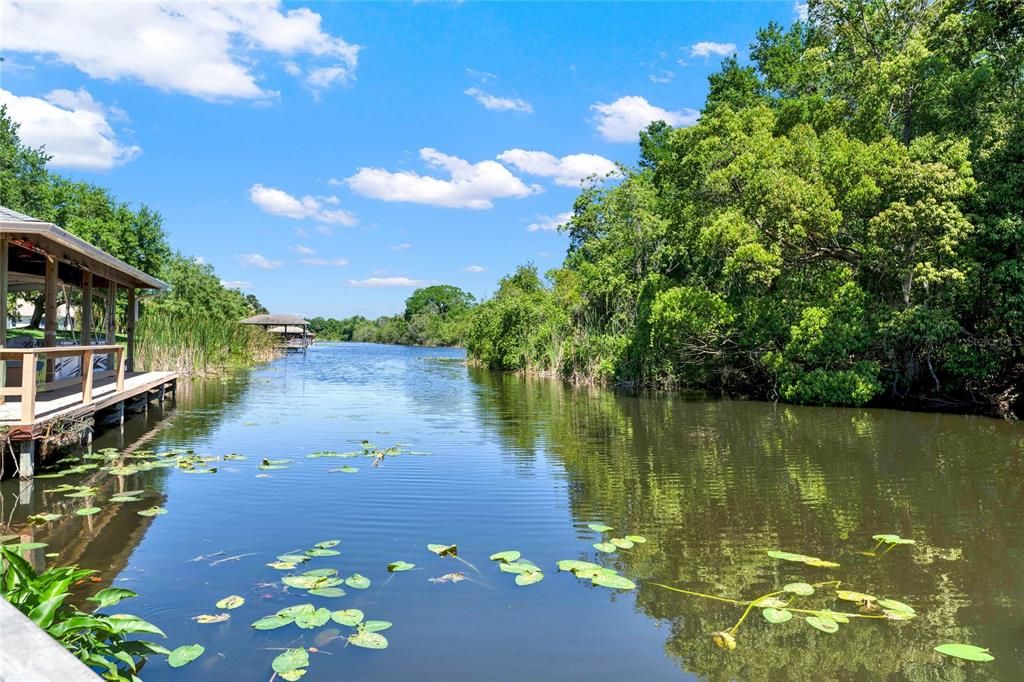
968 652
802 558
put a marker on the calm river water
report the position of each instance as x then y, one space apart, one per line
510 463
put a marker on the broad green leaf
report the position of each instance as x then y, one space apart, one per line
297 610
399 566
358 582
88 511
574 565
886 537
599 527
529 577
622 543
327 544
824 624
849 595
444 550
152 511
282 565
292 675
292 659
638 539
508 556
896 606
615 582
834 615
316 551
368 640
272 622
308 621
327 592
349 617
111 596
44 517
322 572
787 556
771 602
968 652
376 625
605 547
125 498
517 567
803 589
231 602
185 654
773 615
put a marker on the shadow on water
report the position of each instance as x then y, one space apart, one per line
714 484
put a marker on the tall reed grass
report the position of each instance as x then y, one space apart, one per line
198 344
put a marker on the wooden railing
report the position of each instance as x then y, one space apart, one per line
30 386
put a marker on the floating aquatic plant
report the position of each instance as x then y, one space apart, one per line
185 654
802 558
968 652
399 566
152 511
231 602
599 527
44 517
207 618
889 539
598 575
88 511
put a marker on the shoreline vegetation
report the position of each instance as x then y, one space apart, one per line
844 225
191 328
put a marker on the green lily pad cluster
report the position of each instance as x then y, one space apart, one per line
802 558
400 566
512 561
613 544
319 582
596 574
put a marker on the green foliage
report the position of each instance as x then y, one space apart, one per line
98 640
843 225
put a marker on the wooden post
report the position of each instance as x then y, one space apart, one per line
87 377
50 311
26 458
87 321
133 316
28 387
3 312
119 354
111 320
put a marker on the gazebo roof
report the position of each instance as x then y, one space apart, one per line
276 320
39 235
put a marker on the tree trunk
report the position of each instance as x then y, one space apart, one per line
37 314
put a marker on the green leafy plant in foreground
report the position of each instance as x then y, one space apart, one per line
100 641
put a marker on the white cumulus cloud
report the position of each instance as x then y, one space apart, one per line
800 10
468 185
204 49
280 203
549 223
495 103
474 268
235 284
623 119
325 261
378 282
706 48
72 126
303 250
256 260
567 171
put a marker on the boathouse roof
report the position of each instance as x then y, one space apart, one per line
35 236
276 320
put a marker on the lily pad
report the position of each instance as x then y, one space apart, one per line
613 581
44 517
507 556
208 618
291 659
376 625
858 597
897 606
788 556
358 582
308 621
574 565
802 589
272 622
622 543
773 615
152 511
327 544
399 566
529 578
347 469
771 602
517 567
88 511
444 550
185 654
368 640
605 547
834 615
317 551
824 624
292 675
231 602
282 565
968 652
599 527
327 592
322 572
349 617
120 499
638 539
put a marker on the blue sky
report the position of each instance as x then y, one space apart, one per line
331 157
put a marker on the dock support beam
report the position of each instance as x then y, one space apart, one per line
3 312
111 321
26 458
133 317
50 311
87 321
